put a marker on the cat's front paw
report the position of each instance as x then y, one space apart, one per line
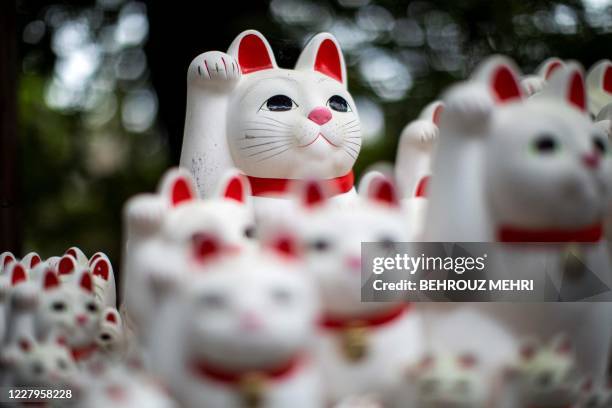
532 84
144 213
420 132
214 67
360 401
468 106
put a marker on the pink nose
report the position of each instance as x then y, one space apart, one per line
354 263
251 321
591 160
81 319
320 115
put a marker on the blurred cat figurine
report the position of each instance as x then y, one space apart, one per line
101 271
274 124
159 225
111 339
363 346
235 331
599 87
413 163
534 84
531 171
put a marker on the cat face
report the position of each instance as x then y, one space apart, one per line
69 308
292 123
332 237
245 309
547 164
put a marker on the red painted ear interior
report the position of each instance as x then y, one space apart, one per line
552 67
72 252
34 261
577 93
253 54
86 282
51 280
102 269
8 259
313 194
436 115
94 257
235 190
383 191
181 191
505 85
66 265
328 60
607 79
111 318
18 275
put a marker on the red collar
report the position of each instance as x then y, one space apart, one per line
82 353
205 370
591 233
274 186
379 319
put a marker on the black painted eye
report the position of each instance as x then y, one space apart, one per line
387 243
213 300
600 144
546 144
92 307
279 103
320 245
281 296
105 337
62 364
249 231
58 306
338 103
38 368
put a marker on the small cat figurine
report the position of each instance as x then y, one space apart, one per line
276 125
544 375
160 225
527 171
599 86
111 339
235 331
362 346
101 271
533 84
413 163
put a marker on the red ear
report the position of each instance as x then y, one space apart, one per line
111 317
206 247
313 194
328 60
436 115
34 261
421 190
607 79
382 190
577 93
284 245
101 268
552 67
181 191
527 351
8 259
72 252
66 265
94 257
50 280
505 85
86 282
253 54
235 190
25 345
18 275
468 361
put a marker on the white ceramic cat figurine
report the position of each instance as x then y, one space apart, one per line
160 225
274 124
599 86
362 346
111 339
413 163
101 272
533 84
525 171
235 332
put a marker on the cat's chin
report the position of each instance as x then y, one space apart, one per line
319 149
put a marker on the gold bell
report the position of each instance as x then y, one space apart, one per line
354 341
252 388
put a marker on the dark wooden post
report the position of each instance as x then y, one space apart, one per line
10 208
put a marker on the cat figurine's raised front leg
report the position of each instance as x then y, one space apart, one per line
276 125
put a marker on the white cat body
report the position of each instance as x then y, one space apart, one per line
237 329
274 124
387 336
497 163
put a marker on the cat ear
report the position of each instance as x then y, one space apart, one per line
377 187
432 112
67 265
600 76
311 193
50 280
17 272
5 259
85 281
501 76
77 254
177 186
94 257
31 260
568 83
252 51
234 186
546 69
111 316
101 268
323 54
